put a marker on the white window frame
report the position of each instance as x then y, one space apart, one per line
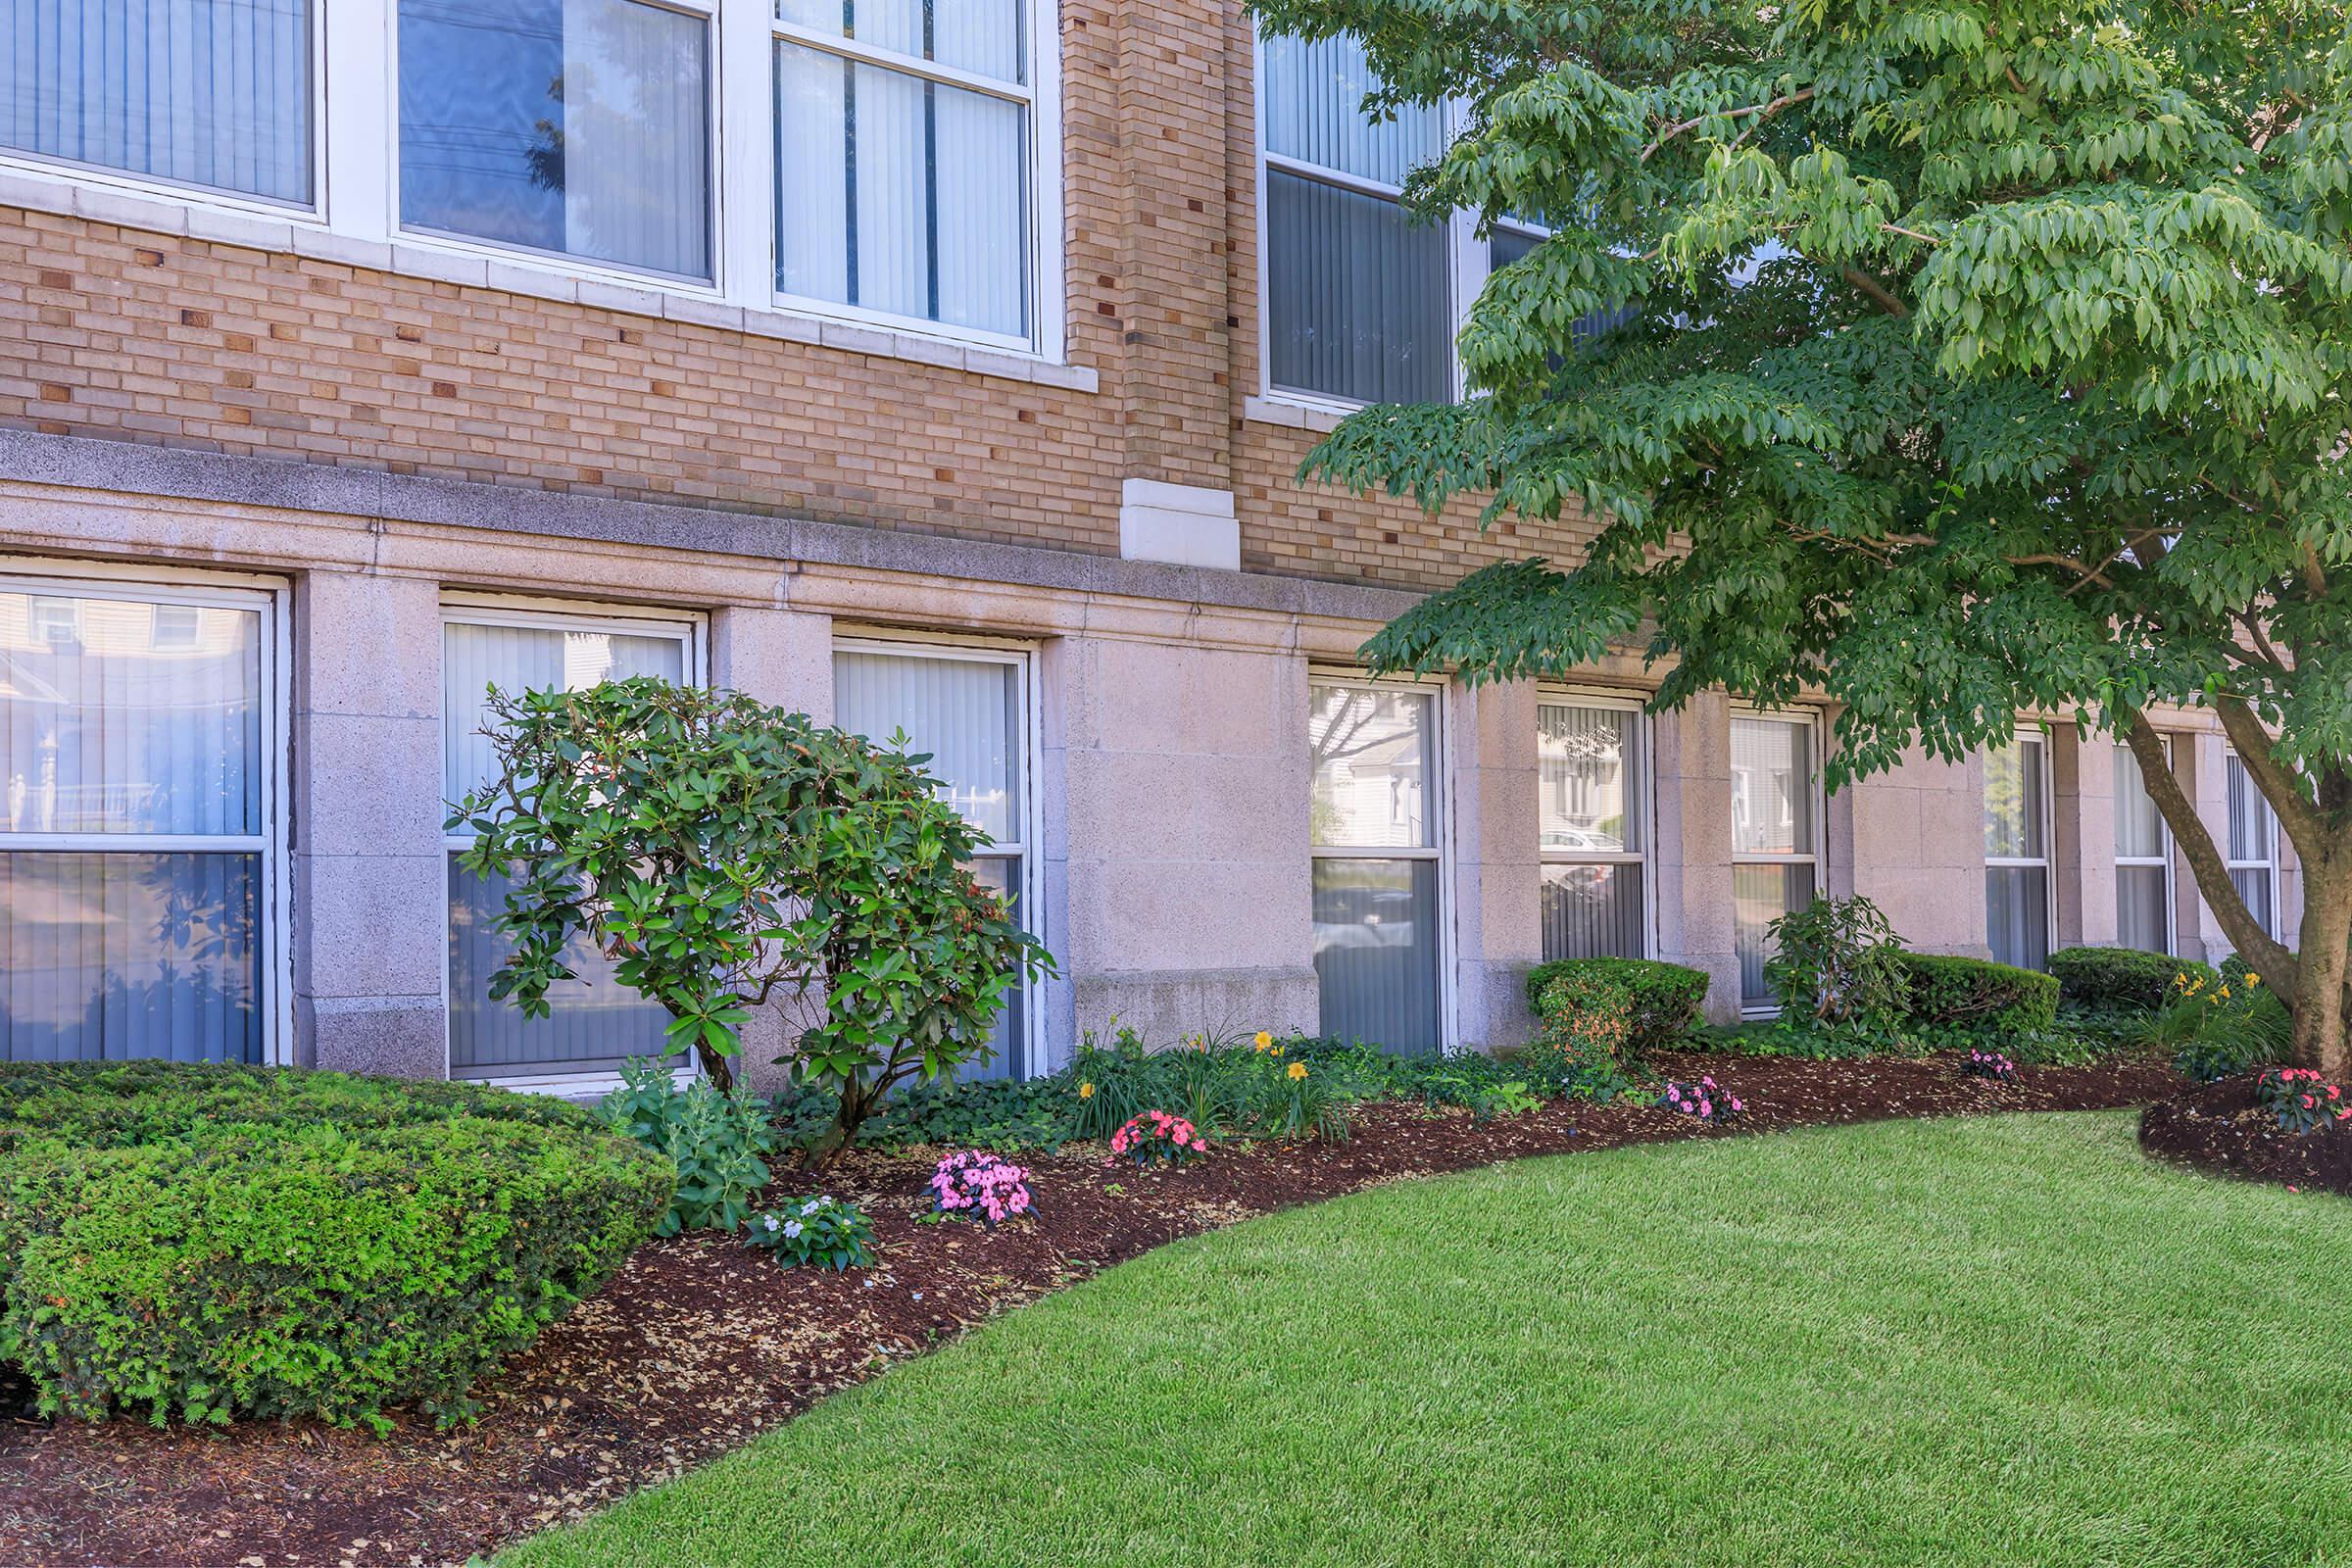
2172 915
353 215
1644 810
270 597
1818 795
689 628
1466 255
2035 735
67 173
1440 805
1022 656
2271 916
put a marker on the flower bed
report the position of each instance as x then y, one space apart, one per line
2233 1127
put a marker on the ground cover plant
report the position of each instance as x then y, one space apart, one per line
816 1231
204 1243
1858 1345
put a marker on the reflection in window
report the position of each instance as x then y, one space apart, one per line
1592 790
1774 852
1373 826
2017 856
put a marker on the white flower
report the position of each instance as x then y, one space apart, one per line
792 1229
771 1222
812 1205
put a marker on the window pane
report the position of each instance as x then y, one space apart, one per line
1003 873
2141 920
1592 788
2017 914
1772 787
595 1023
1372 751
578 127
901 195
104 957
1593 912
1313 96
529 658
2013 797
200 92
1761 895
1358 303
981 36
123 715
2139 827
966 713
2253 885
2253 828
1376 951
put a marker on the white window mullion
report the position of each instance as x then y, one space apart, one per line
1593 827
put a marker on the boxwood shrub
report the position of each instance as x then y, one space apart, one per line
1666 997
2122 977
208 1241
1978 995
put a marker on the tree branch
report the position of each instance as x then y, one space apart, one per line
2282 788
1880 294
1762 112
2255 945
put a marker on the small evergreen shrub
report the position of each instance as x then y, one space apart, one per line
1839 963
1976 996
2125 977
1663 1000
205 1242
820 1231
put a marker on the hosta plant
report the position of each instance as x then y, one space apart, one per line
2301 1100
820 1231
1155 1138
974 1183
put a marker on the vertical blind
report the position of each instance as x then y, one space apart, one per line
1772 820
2017 891
1590 788
2142 847
897 192
966 715
595 1023
125 720
577 127
2253 844
1375 909
199 92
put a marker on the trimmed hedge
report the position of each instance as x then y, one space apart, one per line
2125 977
207 1242
1978 993
1666 997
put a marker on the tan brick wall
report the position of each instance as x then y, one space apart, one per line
122 333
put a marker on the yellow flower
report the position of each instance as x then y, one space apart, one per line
1297 1069
2252 978
2224 993
1278 1050
1086 1091
1263 1041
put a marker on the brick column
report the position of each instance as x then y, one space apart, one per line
1694 846
371 912
1498 904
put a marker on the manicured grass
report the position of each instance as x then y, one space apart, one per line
2008 1341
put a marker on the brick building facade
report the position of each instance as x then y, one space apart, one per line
304 433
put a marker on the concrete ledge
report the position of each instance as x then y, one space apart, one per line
1182 525
81 463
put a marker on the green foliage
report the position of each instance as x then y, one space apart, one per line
1977 997
1975 360
2220 1026
721 851
2300 1100
1664 999
205 1242
1294 1098
717 1140
1559 1068
2123 977
816 1231
1839 963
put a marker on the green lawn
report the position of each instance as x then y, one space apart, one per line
1985 1341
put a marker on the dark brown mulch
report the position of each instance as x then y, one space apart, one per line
697 1345
2219 1127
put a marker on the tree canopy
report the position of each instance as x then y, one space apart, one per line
1975 360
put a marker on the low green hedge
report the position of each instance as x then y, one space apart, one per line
1977 993
206 1241
1666 997
2125 977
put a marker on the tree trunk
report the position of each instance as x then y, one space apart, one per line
2325 965
721 1070
858 1102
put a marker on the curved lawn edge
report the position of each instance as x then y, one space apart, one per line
1906 1328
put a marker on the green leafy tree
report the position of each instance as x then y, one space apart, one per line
1972 359
723 854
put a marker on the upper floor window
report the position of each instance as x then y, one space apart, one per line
210 93
902 153
580 128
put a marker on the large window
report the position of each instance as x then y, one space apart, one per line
967 709
902 136
210 93
577 126
595 1023
2253 845
2143 860
1775 839
1593 801
2017 853
138 746
1374 824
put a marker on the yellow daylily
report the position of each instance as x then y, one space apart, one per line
1263 1040
1297 1069
1086 1091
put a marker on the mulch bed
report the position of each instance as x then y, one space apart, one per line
698 1344
2220 1128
